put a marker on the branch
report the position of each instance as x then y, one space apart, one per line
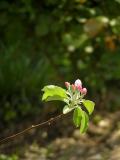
48 122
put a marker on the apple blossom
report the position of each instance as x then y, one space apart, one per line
84 91
67 84
78 83
77 86
73 96
73 87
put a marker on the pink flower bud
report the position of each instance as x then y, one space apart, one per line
79 88
67 84
78 83
84 91
73 87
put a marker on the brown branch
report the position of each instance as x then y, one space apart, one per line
48 122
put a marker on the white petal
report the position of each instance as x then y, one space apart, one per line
78 82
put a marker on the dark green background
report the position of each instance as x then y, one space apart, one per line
50 42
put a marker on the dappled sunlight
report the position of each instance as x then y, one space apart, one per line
60 80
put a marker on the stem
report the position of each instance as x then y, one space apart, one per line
48 122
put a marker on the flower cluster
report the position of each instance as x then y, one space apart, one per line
74 100
77 86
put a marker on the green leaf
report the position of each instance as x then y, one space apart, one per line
84 122
77 116
54 98
52 92
89 105
66 109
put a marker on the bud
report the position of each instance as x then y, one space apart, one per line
79 88
84 91
73 87
67 84
78 84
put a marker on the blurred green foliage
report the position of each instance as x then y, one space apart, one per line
5 157
50 41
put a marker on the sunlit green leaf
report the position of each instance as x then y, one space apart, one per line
66 109
77 116
84 122
89 105
52 92
54 98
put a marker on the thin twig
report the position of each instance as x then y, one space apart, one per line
48 122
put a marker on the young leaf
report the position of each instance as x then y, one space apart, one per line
52 92
55 97
66 109
77 116
84 122
89 105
